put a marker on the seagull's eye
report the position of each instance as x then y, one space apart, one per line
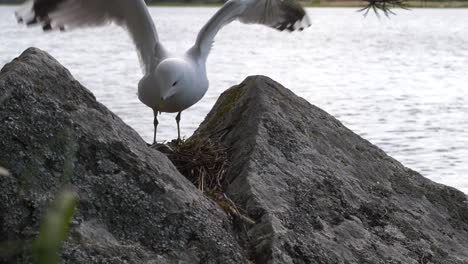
175 83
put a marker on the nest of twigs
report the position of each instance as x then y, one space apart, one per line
384 6
205 164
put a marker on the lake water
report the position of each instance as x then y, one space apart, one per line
401 83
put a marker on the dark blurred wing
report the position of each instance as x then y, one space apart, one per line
66 14
278 14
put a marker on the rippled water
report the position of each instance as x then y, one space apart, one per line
400 83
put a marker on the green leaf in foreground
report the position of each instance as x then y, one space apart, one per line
54 228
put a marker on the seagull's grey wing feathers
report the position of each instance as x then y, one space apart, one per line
131 14
278 14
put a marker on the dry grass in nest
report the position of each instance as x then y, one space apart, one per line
205 164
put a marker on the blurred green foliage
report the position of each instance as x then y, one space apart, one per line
54 228
45 248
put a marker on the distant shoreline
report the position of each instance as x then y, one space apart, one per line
319 3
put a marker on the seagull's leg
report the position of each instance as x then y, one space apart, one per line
178 127
155 123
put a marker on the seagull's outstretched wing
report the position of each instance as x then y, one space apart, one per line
278 14
131 14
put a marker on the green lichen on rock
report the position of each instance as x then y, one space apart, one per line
227 101
230 97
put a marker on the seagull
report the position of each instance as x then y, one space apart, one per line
170 84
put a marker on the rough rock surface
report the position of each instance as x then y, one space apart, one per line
134 206
318 192
321 194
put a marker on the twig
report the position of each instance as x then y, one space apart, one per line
384 6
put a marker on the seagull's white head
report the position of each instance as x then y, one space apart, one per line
171 77
173 86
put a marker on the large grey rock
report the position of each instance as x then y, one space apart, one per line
134 206
320 193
